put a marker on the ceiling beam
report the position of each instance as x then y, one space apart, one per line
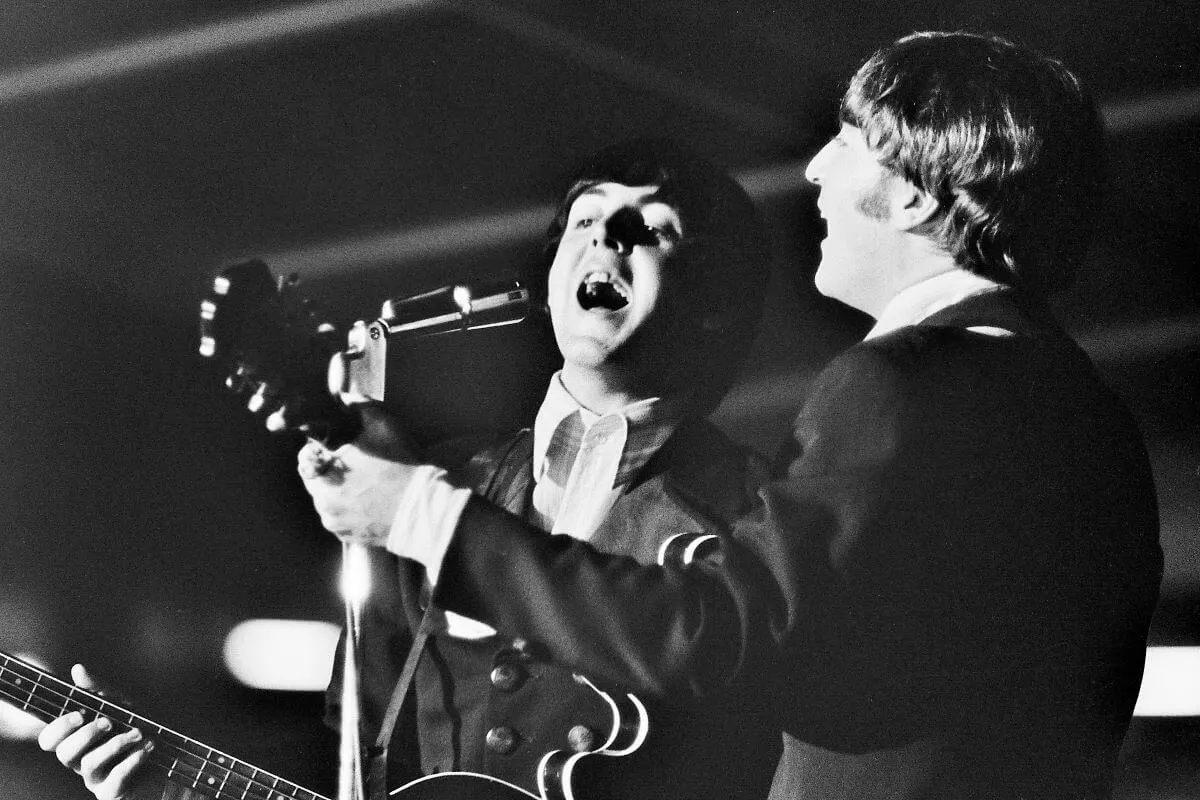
479 232
632 71
154 52
1151 110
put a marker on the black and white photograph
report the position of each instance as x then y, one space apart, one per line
519 399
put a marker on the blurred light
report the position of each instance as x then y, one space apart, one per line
462 298
1151 110
18 725
1136 342
283 655
637 73
15 724
356 575
485 232
1171 684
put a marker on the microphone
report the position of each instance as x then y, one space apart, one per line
456 308
357 374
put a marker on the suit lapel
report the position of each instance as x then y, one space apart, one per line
683 489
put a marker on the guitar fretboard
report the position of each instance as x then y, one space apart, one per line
184 761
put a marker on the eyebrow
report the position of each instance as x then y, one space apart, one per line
654 197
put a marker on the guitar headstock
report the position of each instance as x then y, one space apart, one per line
266 335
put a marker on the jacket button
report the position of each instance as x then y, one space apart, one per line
582 739
507 677
501 739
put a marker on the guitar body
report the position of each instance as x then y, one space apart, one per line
460 786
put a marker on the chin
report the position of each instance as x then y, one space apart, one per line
585 352
826 280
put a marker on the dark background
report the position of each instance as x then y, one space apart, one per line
383 147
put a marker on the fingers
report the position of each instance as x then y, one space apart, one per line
123 775
111 764
81 740
360 505
107 761
316 461
54 733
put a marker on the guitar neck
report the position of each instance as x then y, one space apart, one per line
184 761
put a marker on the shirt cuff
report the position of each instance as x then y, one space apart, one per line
426 516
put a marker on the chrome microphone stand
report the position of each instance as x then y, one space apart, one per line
355 584
357 376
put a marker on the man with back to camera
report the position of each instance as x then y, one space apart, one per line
982 505
657 266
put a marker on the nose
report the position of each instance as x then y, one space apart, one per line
623 230
816 165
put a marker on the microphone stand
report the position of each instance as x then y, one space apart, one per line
245 306
356 376
355 584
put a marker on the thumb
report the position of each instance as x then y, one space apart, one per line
83 679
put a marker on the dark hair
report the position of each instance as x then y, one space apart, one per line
1002 136
725 249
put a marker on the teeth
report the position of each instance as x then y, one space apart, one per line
592 279
599 291
599 276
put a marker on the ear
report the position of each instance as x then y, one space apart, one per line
911 206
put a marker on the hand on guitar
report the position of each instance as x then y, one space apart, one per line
111 764
356 488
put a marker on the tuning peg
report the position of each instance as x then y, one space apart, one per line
258 399
239 380
277 421
208 341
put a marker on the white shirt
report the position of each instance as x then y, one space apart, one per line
573 489
582 460
922 300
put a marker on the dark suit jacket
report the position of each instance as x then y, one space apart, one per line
946 593
698 483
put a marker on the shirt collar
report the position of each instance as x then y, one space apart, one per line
924 299
650 423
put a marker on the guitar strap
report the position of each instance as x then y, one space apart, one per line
377 788
511 470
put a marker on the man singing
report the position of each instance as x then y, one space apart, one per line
654 279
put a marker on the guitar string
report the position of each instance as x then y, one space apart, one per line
250 786
185 770
33 700
182 772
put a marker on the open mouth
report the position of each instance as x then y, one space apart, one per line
599 291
